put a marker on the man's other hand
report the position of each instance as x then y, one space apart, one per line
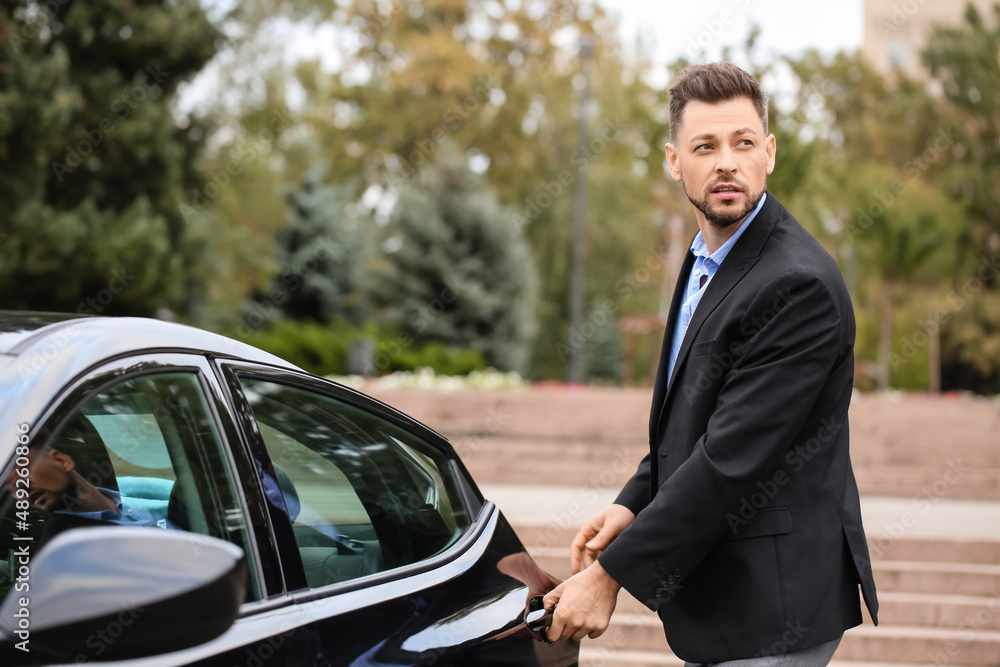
597 533
586 601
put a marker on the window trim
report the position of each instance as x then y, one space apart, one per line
480 510
72 395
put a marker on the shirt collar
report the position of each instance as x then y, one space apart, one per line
114 496
110 494
700 249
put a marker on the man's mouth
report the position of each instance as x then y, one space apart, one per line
35 497
727 191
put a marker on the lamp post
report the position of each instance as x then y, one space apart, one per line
580 217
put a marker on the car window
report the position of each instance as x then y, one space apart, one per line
363 494
142 452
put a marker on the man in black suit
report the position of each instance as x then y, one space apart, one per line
742 527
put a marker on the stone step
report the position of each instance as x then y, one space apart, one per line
901 443
887 547
560 529
943 611
591 656
965 645
973 579
928 577
903 609
928 646
928 480
926 453
601 448
600 656
898 422
919 483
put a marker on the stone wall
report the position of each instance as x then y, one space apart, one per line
901 445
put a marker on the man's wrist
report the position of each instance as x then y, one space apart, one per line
603 577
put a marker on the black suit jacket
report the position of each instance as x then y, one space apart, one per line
748 538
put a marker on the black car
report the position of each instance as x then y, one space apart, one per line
175 497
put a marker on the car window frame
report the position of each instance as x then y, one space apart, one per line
73 394
479 509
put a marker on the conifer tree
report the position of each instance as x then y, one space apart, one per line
324 255
94 163
456 270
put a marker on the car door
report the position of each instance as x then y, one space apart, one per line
383 537
149 440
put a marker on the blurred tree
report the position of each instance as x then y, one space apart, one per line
497 81
94 163
455 270
963 62
604 360
879 202
324 254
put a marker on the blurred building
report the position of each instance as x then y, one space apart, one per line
895 31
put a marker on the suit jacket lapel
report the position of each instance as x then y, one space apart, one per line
740 260
660 385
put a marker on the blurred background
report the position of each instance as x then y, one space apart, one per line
461 184
469 196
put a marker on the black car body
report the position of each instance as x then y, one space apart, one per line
272 517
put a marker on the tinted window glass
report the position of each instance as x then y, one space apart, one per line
143 452
363 494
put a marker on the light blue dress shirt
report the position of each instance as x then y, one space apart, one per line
128 515
705 264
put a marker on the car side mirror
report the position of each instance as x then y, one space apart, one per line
117 592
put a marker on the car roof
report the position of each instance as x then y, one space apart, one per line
17 326
51 336
49 350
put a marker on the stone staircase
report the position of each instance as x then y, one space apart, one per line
928 468
939 605
901 445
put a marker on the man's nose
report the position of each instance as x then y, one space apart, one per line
726 162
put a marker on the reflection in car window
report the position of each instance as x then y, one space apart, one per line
363 494
142 452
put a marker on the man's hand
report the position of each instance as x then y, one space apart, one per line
585 601
597 533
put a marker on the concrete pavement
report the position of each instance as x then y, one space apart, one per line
922 516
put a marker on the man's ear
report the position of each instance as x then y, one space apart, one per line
673 163
771 148
64 461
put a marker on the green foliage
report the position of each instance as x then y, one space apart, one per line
963 61
489 80
891 196
323 253
457 272
108 262
603 358
93 162
323 349
443 359
314 347
103 180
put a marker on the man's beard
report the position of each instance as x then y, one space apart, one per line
726 217
67 500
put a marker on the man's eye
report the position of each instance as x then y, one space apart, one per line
747 142
703 147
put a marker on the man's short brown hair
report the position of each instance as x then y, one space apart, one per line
713 83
